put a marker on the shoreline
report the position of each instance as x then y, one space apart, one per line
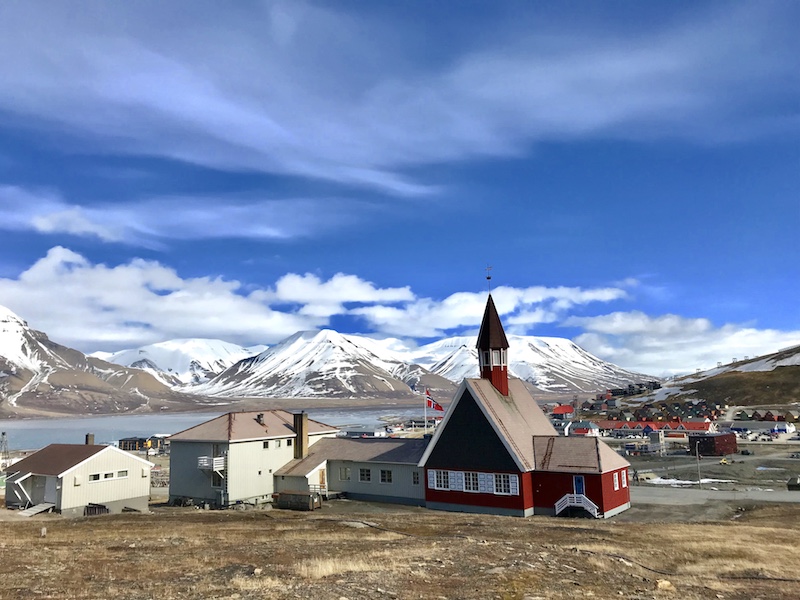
234 405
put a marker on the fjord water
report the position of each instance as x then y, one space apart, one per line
32 434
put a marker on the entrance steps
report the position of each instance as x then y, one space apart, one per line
39 508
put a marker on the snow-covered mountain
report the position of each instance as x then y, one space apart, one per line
182 361
549 364
327 363
38 374
321 363
35 372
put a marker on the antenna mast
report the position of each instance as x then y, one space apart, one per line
489 278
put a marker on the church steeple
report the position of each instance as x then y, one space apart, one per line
493 349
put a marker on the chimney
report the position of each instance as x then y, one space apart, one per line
260 418
301 433
90 439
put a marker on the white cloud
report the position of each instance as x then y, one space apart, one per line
673 345
94 306
340 288
521 309
148 222
301 89
73 221
327 298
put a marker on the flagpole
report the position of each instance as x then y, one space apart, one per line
425 408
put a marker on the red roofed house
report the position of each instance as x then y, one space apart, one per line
496 452
564 411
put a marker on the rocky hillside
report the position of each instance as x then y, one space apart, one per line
41 376
773 379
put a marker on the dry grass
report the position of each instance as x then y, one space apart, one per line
180 553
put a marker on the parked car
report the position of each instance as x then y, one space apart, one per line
746 452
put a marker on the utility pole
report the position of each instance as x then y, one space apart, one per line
697 453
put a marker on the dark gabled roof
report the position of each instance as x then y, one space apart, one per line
57 459
381 450
491 335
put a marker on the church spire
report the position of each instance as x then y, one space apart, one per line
493 349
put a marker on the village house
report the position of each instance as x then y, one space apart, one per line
564 412
575 428
381 470
77 480
232 459
496 452
643 428
152 444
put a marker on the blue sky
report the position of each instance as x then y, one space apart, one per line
630 171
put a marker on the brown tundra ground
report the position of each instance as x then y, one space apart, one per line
352 550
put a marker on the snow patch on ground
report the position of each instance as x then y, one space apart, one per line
679 482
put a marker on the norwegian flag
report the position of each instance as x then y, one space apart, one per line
431 402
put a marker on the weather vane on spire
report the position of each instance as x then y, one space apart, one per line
489 278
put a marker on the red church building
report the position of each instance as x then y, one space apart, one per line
496 452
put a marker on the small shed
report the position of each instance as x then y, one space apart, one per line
299 500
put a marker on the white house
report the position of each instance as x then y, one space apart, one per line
232 459
76 479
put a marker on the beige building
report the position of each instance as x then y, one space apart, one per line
78 479
232 459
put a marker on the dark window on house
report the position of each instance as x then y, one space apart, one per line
386 476
442 480
415 478
94 477
266 445
289 442
471 482
364 475
502 483
108 475
344 473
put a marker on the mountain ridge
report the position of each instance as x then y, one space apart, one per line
326 362
43 377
